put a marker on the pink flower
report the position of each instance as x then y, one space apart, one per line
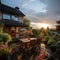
40 56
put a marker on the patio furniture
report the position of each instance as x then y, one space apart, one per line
25 43
33 41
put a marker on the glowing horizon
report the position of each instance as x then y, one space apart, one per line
41 25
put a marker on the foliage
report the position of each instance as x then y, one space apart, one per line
6 49
12 45
42 30
42 33
27 22
57 44
35 32
49 40
2 51
52 30
4 37
43 55
4 54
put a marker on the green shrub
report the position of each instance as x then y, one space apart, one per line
3 54
51 41
35 32
5 37
47 38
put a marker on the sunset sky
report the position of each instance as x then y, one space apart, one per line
38 11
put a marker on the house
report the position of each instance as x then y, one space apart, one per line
58 26
12 18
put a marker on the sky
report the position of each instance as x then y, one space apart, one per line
38 11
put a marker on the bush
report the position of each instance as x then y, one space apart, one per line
35 32
51 41
5 37
46 39
3 55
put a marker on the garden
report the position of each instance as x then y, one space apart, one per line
48 49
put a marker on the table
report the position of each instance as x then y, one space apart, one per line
25 43
33 41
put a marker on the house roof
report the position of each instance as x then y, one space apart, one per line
10 10
7 22
58 22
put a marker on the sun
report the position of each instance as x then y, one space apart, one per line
43 25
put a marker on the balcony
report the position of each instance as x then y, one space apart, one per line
12 23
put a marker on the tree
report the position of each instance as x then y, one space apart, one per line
42 33
42 30
35 32
28 23
48 29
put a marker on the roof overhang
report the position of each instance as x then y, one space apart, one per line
10 10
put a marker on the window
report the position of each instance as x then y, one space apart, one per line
15 18
6 16
21 19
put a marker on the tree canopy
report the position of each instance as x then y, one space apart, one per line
28 23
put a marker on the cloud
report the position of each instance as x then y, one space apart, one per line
33 18
43 1
32 0
36 9
53 6
28 11
53 12
24 5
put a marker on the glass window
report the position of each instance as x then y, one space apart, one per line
20 19
15 18
6 16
